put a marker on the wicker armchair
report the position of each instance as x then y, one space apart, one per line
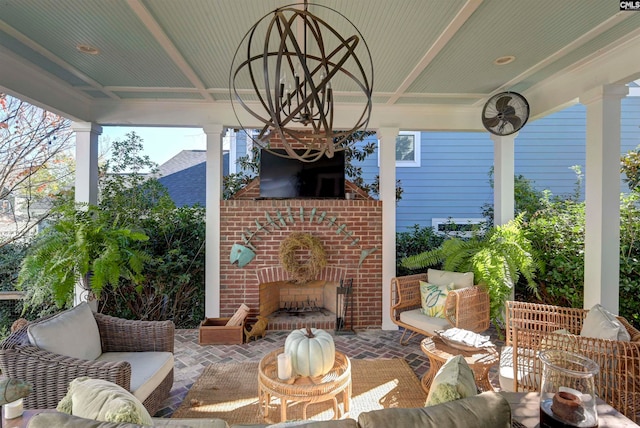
51 373
467 308
530 328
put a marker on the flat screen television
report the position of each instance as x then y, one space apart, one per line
292 178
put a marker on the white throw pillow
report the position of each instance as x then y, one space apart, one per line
453 381
73 333
602 324
443 277
101 400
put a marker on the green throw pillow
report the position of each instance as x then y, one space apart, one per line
102 400
433 298
453 381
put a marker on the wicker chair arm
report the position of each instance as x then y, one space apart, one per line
51 373
405 293
120 335
468 308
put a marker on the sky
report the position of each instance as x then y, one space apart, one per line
160 144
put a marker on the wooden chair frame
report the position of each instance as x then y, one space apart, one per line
467 308
532 327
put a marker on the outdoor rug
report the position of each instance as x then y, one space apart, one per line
230 391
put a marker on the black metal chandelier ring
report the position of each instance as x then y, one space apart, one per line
292 83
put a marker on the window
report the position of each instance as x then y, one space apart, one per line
407 149
462 227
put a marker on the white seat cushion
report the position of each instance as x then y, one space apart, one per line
148 369
506 374
73 333
419 320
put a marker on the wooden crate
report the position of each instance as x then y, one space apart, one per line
214 331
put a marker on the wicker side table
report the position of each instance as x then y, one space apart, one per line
305 390
480 361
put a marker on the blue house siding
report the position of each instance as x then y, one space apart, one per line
453 180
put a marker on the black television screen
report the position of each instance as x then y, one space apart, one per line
292 178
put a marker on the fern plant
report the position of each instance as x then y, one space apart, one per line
497 259
85 246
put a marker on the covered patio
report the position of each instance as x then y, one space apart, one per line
167 63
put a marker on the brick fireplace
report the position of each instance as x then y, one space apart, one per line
350 231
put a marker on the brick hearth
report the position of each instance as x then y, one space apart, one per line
350 231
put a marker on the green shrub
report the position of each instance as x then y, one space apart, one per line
416 240
11 256
174 280
630 258
557 234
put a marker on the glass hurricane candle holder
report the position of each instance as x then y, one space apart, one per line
567 390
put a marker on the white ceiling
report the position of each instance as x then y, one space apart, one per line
167 62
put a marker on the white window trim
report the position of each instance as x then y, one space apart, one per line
417 158
437 221
415 163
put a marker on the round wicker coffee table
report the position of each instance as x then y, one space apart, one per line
480 361
305 390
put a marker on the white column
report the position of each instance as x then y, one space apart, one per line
233 151
503 183
387 153
86 161
602 197
214 133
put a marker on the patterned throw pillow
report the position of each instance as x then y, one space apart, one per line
433 298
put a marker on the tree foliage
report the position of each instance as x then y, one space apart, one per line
355 150
34 163
630 166
173 285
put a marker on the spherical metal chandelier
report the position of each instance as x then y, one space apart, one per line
294 64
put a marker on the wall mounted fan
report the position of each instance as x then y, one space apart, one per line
505 113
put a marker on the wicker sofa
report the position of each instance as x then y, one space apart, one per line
532 327
466 307
137 355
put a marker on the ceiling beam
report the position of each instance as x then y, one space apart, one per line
456 23
54 58
28 83
618 62
161 37
567 49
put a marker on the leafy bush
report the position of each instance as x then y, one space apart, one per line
173 285
527 199
416 240
557 234
11 256
630 258
174 280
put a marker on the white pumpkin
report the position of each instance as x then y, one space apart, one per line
312 351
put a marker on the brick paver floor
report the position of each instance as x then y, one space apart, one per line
191 358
